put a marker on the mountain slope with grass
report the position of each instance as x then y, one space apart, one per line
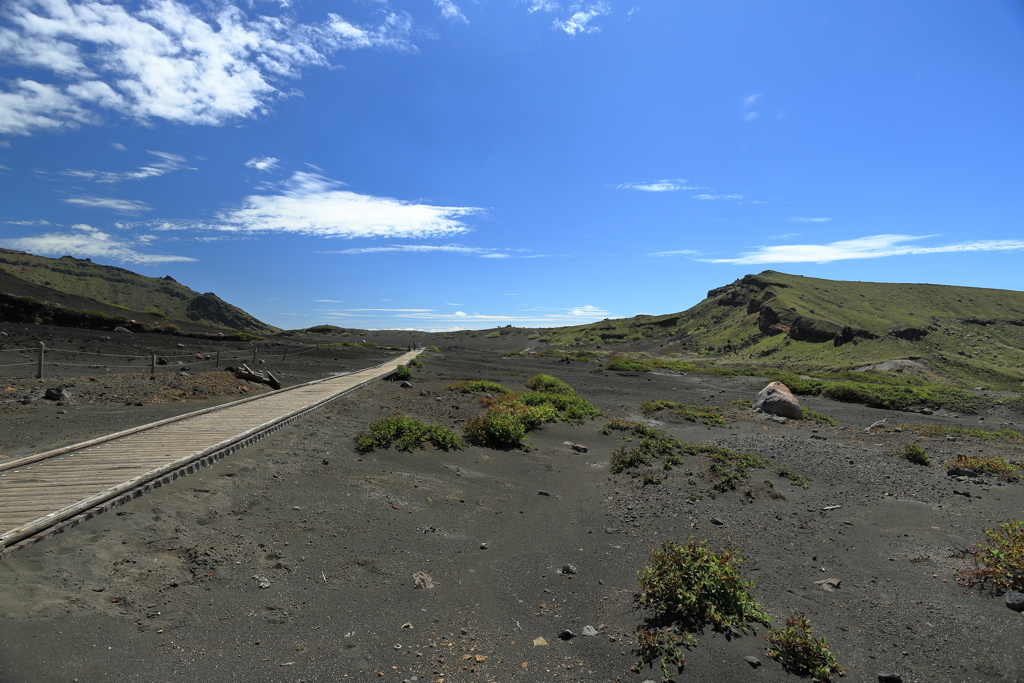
123 289
772 319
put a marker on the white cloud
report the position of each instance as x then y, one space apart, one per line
460 314
482 252
543 5
164 60
118 146
750 116
668 185
393 310
311 204
707 197
262 163
675 252
799 219
876 246
751 100
536 317
579 21
28 222
119 205
168 163
85 241
450 11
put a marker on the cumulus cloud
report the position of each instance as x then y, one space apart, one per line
668 185
311 204
579 20
163 59
543 6
262 163
450 11
167 163
876 246
84 241
119 205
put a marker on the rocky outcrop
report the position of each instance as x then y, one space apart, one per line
210 307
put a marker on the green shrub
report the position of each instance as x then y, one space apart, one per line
794 478
407 434
478 387
158 314
983 464
532 335
913 453
512 353
170 329
504 427
433 348
819 417
402 372
415 363
572 409
687 588
492 335
801 653
1000 560
707 415
549 384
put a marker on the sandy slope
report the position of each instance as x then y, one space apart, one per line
164 587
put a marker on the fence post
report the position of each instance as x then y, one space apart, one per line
152 366
39 369
218 359
255 352
285 357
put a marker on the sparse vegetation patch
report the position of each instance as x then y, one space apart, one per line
801 653
707 415
688 587
999 560
407 434
913 453
984 465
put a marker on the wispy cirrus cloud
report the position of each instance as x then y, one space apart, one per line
482 252
539 317
542 6
168 163
801 219
163 59
579 21
876 246
675 252
85 241
668 185
712 197
263 164
450 11
129 206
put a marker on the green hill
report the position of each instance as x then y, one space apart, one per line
965 334
127 290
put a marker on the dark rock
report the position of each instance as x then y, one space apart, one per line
566 635
579 447
162 360
57 394
717 521
568 569
752 661
543 493
960 472
406 385
1015 601
890 677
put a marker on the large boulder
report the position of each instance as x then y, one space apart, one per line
777 399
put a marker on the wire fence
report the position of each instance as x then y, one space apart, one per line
150 359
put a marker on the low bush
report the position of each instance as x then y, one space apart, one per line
819 417
999 560
549 385
158 314
984 464
415 363
688 587
940 430
913 453
707 415
492 335
433 348
407 434
801 653
478 387
401 373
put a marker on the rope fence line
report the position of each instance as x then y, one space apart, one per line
152 357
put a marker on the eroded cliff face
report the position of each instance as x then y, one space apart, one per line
210 307
759 294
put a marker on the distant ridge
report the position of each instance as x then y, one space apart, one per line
802 323
123 288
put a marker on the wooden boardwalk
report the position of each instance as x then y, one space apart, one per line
47 493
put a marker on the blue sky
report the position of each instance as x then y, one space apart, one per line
445 164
